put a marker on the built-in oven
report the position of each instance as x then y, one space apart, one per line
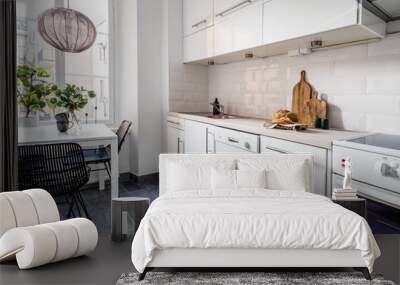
375 160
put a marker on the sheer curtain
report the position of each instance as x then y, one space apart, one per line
8 104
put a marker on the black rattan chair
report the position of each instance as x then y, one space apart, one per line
60 169
102 155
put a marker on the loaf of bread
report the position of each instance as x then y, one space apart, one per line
284 117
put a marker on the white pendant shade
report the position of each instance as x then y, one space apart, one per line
67 30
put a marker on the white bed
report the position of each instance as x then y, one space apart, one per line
226 226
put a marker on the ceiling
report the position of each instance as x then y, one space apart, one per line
389 10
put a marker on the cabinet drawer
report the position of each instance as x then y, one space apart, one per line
246 141
176 122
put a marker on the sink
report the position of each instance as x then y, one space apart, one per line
210 115
224 117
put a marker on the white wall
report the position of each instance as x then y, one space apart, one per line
362 84
141 75
126 78
188 84
150 83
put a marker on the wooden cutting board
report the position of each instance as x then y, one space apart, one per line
304 102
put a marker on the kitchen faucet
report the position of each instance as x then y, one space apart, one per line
218 109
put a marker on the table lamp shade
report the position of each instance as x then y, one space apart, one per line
67 30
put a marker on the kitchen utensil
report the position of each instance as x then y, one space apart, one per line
301 100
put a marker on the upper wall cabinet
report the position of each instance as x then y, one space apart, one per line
306 17
271 27
238 25
199 46
197 15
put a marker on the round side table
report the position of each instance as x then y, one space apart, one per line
119 208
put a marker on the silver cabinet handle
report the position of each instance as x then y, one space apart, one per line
172 122
223 13
199 23
181 150
233 140
275 149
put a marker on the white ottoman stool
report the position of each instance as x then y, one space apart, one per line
31 233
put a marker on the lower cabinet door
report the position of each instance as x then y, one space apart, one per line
195 137
175 140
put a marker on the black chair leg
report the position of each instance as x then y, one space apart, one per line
365 272
107 166
76 202
81 201
71 207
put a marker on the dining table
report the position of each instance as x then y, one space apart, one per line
87 135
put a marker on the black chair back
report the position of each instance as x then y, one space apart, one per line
58 168
122 132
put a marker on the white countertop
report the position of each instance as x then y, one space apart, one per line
314 137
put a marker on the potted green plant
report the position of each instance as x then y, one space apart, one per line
32 90
72 99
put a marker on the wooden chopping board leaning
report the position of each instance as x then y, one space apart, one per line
305 103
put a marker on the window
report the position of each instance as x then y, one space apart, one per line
90 68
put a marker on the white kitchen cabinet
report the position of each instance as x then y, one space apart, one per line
175 135
231 141
239 29
197 15
195 137
226 7
320 159
290 19
199 46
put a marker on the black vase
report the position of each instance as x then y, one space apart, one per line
63 123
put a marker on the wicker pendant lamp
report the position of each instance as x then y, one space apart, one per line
67 30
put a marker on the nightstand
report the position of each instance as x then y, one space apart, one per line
357 206
120 207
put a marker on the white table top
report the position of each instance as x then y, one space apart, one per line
50 134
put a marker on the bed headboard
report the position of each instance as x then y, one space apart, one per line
165 158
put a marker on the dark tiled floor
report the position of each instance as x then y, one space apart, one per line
98 202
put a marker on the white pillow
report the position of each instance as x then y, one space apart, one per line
283 173
183 178
193 174
292 178
223 179
251 178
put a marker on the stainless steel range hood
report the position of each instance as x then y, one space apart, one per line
388 10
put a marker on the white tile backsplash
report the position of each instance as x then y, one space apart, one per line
361 83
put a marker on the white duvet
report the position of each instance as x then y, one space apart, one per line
250 219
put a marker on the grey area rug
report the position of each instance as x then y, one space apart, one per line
233 278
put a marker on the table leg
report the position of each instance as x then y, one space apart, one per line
101 180
100 174
114 169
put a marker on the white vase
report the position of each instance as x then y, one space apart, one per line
28 122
